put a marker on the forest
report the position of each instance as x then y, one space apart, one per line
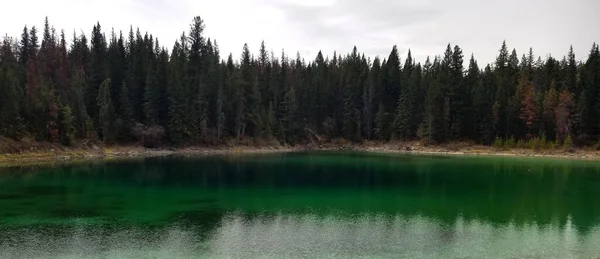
121 89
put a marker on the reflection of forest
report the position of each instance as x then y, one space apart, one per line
389 236
497 191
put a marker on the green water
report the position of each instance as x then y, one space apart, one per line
303 205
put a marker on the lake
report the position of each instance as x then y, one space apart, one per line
303 205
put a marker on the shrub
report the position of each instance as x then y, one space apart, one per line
544 144
510 143
534 143
568 142
521 144
498 143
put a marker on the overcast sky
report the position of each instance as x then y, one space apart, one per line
374 26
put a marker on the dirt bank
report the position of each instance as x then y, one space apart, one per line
89 151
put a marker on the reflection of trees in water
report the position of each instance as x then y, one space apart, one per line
288 235
499 191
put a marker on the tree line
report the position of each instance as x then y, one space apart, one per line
121 88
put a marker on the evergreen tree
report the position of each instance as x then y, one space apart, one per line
370 99
529 105
221 119
549 112
405 111
570 79
251 92
177 126
197 85
151 98
82 121
107 115
66 126
269 122
57 92
588 107
503 92
391 82
459 96
564 115
483 99
290 117
97 75
125 114
11 124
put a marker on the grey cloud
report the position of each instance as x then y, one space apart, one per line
426 26
381 21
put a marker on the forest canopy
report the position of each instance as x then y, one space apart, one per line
118 87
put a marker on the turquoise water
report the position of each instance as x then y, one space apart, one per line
303 205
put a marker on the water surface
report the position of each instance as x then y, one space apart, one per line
303 205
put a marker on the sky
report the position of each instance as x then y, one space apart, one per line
307 26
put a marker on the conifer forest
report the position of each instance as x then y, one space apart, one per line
118 86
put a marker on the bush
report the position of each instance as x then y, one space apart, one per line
498 143
568 142
535 143
510 143
521 144
544 144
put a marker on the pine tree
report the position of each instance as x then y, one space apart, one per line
239 100
66 126
125 114
549 110
24 52
263 70
564 115
151 98
290 117
117 66
404 110
177 126
483 101
370 99
381 123
570 81
391 82
251 93
434 121
107 115
529 105
269 122
588 107
458 95
54 92
62 72
221 119
11 124
503 93
197 86
82 121
97 75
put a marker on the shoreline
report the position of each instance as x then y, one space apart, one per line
51 156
